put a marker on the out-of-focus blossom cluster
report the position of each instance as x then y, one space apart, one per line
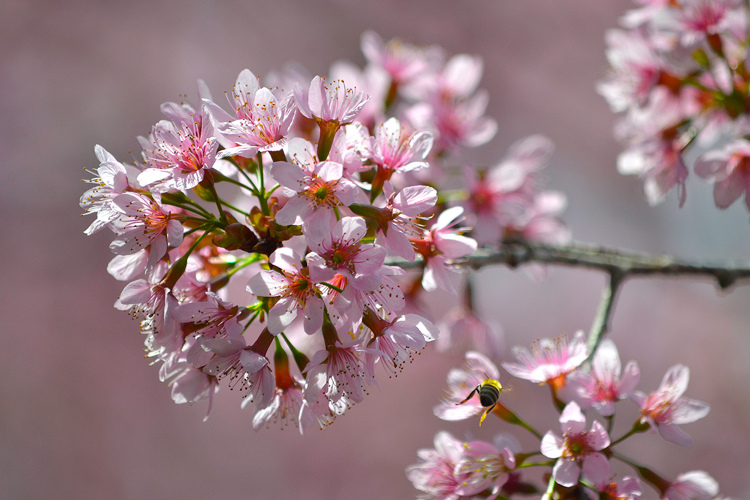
679 75
578 451
255 228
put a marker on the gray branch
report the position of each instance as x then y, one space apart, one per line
618 264
624 263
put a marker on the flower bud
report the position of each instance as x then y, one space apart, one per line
236 237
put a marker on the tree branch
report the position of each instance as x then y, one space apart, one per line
620 263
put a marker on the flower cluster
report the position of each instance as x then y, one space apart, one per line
580 454
679 75
259 229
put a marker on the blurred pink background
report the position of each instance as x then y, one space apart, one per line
83 416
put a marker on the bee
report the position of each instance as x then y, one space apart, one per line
489 394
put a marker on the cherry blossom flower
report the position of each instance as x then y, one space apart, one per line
341 251
192 386
701 18
286 402
373 81
459 77
152 303
394 342
549 360
261 122
145 224
317 410
602 387
578 449
730 170
317 197
485 467
435 474
654 145
127 267
460 383
694 485
440 247
393 150
258 378
178 151
398 221
636 68
665 408
330 101
111 179
504 196
339 372
294 288
457 125
542 221
377 291
285 407
217 345
208 316
659 162
629 488
402 61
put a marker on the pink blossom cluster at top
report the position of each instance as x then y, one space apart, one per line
679 75
257 229
579 453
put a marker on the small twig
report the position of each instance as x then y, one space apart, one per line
600 326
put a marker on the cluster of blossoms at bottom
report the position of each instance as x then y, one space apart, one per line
579 454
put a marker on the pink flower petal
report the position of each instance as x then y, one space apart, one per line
675 435
552 446
572 419
566 472
313 315
677 378
599 437
288 174
689 410
596 467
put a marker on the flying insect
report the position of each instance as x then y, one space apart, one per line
489 394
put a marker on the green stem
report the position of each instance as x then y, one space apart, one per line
222 215
510 417
550 487
298 356
546 463
252 188
647 474
637 428
178 267
182 201
209 226
250 259
600 326
261 174
520 457
235 208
